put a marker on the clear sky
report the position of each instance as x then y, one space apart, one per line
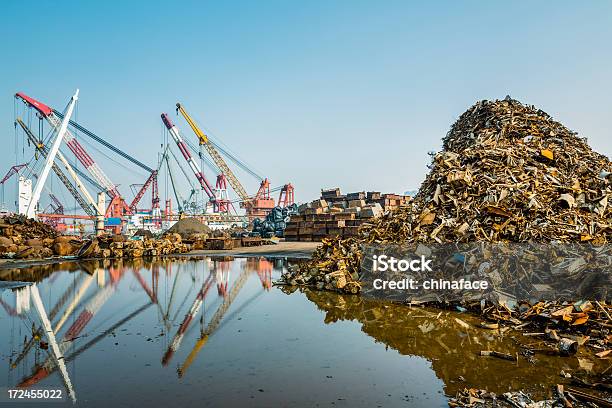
319 93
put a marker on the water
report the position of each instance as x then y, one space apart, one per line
136 333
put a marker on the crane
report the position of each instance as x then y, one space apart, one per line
87 203
197 171
214 321
73 144
117 207
61 131
262 203
219 162
151 180
57 208
13 170
286 196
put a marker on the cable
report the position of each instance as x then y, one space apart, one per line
90 145
217 143
103 142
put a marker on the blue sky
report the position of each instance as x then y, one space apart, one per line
319 93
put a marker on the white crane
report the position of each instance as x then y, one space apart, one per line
31 211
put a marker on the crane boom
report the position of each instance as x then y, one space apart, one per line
151 181
73 144
12 170
192 163
233 180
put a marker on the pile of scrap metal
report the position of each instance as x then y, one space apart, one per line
334 266
561 397
117 246
275 222
508 173
511 175
21 238
530 200
105 246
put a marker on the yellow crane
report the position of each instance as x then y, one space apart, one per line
214 322
219 162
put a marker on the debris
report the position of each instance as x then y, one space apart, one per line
497 354
462 323
489 183
583 396
568 347
337 215
508 173
275 222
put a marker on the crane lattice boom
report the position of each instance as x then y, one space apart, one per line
219 162
178 139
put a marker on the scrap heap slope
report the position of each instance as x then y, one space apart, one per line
508 172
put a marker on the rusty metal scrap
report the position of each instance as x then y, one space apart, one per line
22 238
335 266
507 173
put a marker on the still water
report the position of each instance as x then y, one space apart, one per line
215 332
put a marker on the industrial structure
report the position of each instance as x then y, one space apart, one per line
99 199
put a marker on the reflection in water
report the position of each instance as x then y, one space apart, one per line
90 287
444 338
58 355
142 333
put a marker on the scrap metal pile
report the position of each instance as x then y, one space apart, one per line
275 222
508 172
117 246
340 215
23 238
530 198
26 237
